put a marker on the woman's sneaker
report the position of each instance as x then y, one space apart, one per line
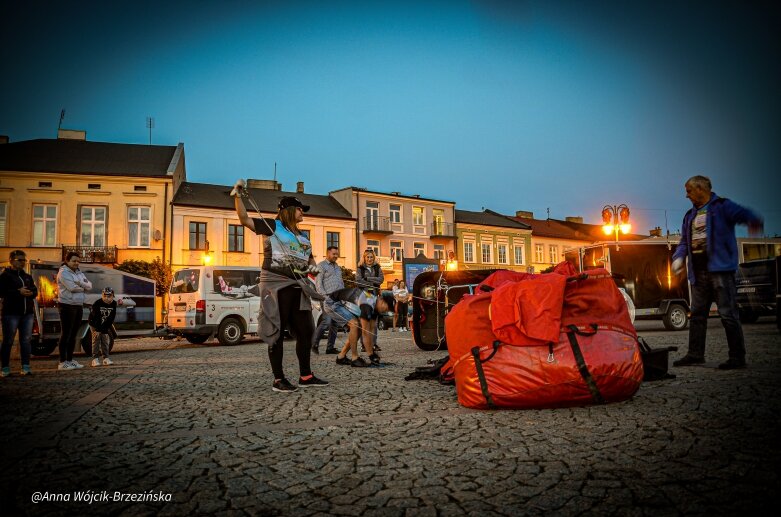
5 372
375 360
311 381
283 386
107 362
96 362
66 365
26 370
343 361
77 364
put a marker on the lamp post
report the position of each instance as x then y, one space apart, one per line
615 218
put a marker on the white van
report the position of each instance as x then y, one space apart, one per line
216 300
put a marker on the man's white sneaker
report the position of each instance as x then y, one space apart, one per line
66 365
107 361
96 361
77 364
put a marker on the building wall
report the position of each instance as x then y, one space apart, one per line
548 259
495 236
217 222
404 232
69 192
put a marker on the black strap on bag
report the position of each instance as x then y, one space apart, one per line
481 374
581 361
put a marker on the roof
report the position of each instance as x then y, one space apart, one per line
557 229
205 195
83 157
489 218
394 194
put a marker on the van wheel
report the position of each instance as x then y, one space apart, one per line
231 332
676 317
43 347
196 339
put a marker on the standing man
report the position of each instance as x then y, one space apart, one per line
708 244
18 291
328 282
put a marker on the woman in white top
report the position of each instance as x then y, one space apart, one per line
71 286
401 294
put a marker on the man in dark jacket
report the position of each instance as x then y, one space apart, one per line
18 292
709 246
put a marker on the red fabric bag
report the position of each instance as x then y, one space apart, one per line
543 341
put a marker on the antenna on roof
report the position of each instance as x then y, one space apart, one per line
62 116
548 209
275 172
150 123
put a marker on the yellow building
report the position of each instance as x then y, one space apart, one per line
107 201
206 228
488 240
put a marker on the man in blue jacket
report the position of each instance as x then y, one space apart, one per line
709 246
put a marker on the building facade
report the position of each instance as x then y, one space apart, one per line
206 228
107 201
488 240
397 226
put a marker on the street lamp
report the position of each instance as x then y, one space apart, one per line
615 218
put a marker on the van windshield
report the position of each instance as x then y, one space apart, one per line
185 281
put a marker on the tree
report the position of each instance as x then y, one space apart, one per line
157 270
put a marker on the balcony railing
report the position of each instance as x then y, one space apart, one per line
377 225
442 229
93 254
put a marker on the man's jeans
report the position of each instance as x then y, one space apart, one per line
326 322
719 288
12 323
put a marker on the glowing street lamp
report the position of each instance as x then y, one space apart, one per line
615 218
452 263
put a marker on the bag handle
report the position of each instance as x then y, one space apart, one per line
574 329
481 374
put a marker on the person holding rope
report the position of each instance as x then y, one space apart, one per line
285 290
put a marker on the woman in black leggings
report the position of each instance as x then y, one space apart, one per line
285 299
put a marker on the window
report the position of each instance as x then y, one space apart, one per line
44 184
236 237
197 236
554 254
539 253
439 251
3 219
519 255
139 188
373 245
485 250
439 221
44 225
419 248
501 254
93 226
307 233
395 213
332 239
417 215
397 250
469 251
93 186
138 220
372 214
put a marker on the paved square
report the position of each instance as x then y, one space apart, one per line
188 429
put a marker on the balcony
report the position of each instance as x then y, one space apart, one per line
377 225
93 254
442 230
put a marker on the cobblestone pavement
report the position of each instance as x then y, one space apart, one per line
201 423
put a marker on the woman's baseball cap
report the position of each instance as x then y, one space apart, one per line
289 201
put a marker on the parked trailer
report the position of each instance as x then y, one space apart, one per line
135 296
758 288
643 269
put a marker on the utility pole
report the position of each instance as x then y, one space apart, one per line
62 116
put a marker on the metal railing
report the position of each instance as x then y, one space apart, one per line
93 254
377 224
443 229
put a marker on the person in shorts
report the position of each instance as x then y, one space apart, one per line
357 308
101 318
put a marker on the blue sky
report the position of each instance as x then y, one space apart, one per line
565 106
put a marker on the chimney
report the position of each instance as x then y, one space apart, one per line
524 214
264 184
3 139
300 187
578 220
71 134
656 232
